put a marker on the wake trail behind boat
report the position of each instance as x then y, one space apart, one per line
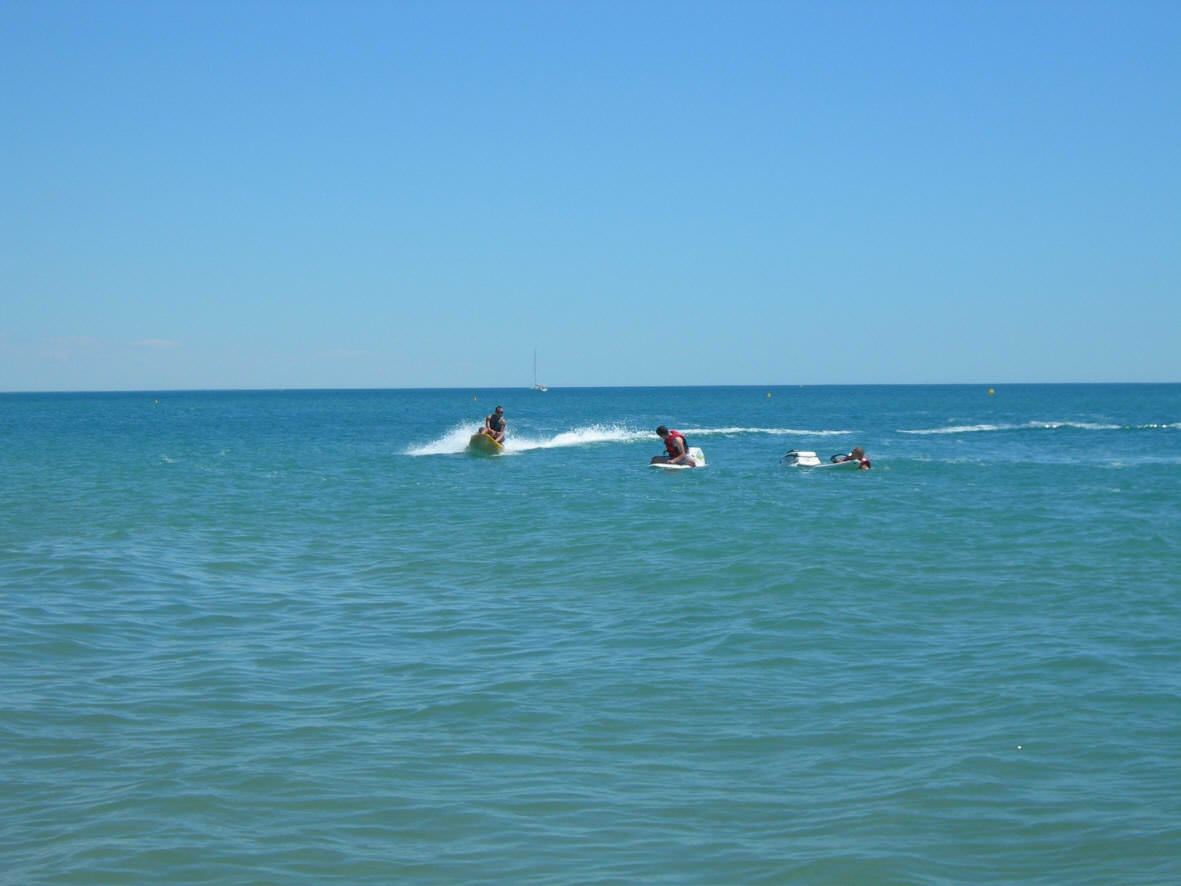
455 440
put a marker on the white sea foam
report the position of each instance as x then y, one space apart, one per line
454 440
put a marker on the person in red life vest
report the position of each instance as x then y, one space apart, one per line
857 455
678 452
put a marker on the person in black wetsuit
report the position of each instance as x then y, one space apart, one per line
494 425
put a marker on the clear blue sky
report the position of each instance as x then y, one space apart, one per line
303 194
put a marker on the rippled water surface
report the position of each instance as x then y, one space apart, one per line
303 637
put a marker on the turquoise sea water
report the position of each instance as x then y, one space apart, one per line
303 638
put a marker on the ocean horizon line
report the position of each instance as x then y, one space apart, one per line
771 386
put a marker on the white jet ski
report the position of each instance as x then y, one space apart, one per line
801 458
694 453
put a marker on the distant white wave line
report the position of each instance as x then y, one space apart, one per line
1031 425
456 438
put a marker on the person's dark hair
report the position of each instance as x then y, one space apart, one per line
661 431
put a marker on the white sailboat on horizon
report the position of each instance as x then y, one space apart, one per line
536 386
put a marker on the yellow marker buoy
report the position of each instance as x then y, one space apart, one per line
991 392
768 395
